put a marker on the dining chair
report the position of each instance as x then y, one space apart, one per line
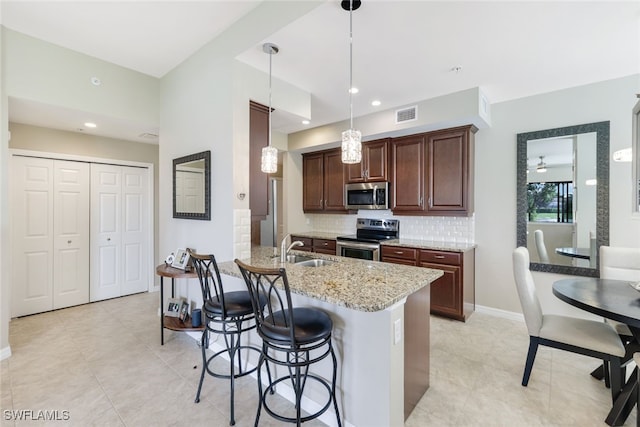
587 337
620 263
538 236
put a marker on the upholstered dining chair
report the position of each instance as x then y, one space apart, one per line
620 263
587 337
538 236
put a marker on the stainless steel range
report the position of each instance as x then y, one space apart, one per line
365 244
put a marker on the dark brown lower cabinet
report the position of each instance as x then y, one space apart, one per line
453 294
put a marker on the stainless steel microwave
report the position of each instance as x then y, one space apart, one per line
367 195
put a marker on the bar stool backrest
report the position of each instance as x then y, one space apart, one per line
274 319
210 281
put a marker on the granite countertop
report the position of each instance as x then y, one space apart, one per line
431 244
348 282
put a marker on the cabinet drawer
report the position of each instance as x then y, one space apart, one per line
399 252
308 243
439 257
324 244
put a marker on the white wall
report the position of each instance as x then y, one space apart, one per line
495 188
5 273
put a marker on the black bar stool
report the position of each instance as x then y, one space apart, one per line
292 337
226 313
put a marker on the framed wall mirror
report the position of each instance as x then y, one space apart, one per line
563 197
191 186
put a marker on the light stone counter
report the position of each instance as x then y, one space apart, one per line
380 314
348 282
431 244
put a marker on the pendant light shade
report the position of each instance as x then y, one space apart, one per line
351 146
351 138
269 161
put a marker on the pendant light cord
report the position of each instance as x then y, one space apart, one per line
351 64
270 60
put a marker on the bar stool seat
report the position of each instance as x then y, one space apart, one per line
294 338
235 304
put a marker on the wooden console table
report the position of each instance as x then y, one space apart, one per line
168 322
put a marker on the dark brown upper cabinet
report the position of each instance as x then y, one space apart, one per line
432 173
323 178
375 163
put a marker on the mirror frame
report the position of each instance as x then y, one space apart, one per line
602 194
206 155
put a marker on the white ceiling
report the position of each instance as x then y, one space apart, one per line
404 51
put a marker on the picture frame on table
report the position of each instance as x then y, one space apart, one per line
181 259
184 311
174 306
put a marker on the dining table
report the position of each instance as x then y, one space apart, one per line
616 300
582 253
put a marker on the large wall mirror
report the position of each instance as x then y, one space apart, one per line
563 197
191 186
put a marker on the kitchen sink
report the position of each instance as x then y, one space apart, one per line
314 263
294 259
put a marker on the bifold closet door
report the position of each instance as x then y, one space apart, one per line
50 217
119 231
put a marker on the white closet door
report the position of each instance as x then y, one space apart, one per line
135 211
106 231
32 211
119 231
71 234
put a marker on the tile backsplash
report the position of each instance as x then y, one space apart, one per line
436 228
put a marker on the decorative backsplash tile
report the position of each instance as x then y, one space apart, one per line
436 228
242 233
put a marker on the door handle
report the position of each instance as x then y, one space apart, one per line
108 239
69 241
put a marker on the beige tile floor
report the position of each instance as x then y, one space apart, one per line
103 364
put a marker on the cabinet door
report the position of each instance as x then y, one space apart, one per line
312 182
333 181
407 177
445 291
448 171
377 160
374 165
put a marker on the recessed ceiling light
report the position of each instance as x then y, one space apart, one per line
354 90
95 81
456 69
90 125
376 103
305 122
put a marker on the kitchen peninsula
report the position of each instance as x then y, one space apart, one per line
381 330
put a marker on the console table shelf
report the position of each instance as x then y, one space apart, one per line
173 323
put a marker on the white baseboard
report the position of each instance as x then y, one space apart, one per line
510 315
5 353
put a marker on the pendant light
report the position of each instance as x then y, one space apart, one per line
351 139
269 161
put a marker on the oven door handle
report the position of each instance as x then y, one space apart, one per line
357 245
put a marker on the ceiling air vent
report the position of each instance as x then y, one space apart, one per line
407 114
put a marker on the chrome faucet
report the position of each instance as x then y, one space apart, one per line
284 250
